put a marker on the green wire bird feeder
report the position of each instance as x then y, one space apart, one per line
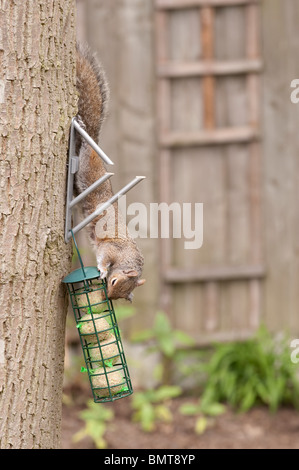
99 334
94 313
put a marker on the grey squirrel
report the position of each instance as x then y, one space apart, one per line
119 259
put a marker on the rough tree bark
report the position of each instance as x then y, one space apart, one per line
37 101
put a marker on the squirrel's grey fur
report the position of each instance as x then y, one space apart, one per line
118 257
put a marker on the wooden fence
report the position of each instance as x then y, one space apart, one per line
200 93
208 63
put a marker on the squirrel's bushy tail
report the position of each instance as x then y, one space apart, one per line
93 91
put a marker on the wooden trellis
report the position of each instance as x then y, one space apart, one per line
218 284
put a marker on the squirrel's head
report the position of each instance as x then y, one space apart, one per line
120 284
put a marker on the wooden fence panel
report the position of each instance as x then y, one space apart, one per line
208 63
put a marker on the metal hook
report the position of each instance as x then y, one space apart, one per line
73 167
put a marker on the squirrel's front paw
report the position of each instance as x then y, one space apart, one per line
102 266
103 271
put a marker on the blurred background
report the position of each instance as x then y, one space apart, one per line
200 104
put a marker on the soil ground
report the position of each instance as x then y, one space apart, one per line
256 429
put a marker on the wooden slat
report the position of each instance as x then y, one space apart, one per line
211 319
204 274
207 41
253 54
209 137
207 339
165 247
208 67
255 292
207 18
163 109
208 102
181 4
253 87
161 29
255 182
163 105
165 190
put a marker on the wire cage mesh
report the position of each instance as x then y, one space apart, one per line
99 334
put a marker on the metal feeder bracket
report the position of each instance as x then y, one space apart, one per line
73 166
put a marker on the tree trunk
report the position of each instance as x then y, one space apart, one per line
37 101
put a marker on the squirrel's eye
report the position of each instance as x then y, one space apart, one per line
114 281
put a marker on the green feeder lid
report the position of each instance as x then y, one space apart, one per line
90 272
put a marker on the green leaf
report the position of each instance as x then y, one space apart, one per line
79 435
163 413
248 400
142 336
162 324
98 413
95 429
147 417
166 392
167 345
183 338
262 392
138 400
189 409
213 409
123 312
96 417
100 443
201 425
158 372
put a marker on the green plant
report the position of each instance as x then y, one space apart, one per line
256 371
166 340
151 406
202 412
96 418
123 312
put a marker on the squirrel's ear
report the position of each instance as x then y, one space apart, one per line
140 282
131 273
